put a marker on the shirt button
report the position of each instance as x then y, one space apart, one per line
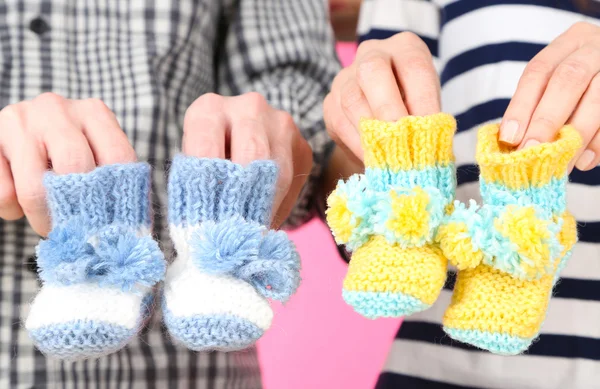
39 26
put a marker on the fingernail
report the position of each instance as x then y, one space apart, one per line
509 132
585 160
531 143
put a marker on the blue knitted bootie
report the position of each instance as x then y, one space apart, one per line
228 261
98 265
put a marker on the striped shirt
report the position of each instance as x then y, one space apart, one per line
481 49
148 60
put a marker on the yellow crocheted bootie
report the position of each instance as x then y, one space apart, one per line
389 215
510 250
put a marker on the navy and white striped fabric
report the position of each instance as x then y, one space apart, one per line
481 49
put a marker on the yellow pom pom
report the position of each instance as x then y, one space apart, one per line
409 218
530 234
456 245
339 217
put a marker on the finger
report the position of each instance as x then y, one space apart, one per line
591 156
343 133
9 205
530 89
282 136
565 88
205 127
294 157
108 142
67 148
249 140
354 103
29 164
376 79
419 81
586 119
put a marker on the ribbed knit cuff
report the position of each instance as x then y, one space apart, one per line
113 194
202 189
534 166
533 176
413 142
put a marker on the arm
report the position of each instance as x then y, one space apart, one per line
284 50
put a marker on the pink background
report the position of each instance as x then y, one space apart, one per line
316 340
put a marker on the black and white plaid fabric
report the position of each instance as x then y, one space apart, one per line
148 60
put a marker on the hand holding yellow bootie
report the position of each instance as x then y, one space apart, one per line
389 216
510 250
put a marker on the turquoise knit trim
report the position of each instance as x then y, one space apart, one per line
369 202
441 177
498 251
551 197
373 305
497 343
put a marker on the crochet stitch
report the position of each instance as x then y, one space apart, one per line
389 215
510 251
228 262
98 265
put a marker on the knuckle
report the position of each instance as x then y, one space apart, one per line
537 68
370 65
206 102
547 123
50 98
367 46
572 73
582 27
96 105
410 39
255 102
193 117
286 121
12 112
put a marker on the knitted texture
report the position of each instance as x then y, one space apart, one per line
228 261
509 250
98 265
389 215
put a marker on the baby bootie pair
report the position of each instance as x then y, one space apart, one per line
402 226
99 265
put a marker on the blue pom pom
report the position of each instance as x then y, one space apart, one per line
126 260
225 246
65 256
276 271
